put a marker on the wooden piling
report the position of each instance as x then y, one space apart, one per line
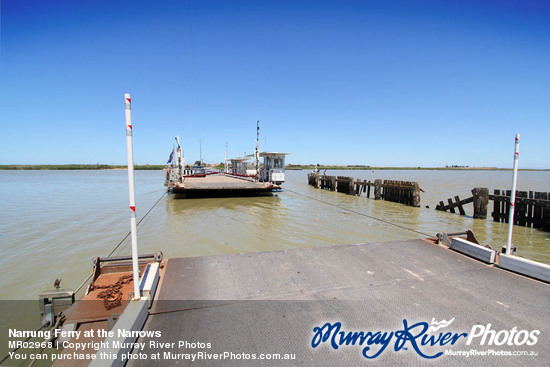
404 192
345 185
368 190
460 208
458 204
352 189
377 189
481 200
416 195
537 211
532 209
521 209
545 213
496 206
451 206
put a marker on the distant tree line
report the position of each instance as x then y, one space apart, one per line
76 166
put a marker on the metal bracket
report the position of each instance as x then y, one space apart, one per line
48 316
443 238
513 250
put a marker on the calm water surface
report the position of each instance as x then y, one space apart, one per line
53 223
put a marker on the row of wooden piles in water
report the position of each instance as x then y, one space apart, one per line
404 192
532 209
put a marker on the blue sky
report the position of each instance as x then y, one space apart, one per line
380 83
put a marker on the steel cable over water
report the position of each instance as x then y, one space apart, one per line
89 276
125 237
359 213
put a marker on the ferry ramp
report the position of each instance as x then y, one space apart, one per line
270 302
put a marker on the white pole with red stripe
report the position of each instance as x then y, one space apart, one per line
513 198
133 229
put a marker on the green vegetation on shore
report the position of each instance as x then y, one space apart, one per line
220 166
76 167
373 168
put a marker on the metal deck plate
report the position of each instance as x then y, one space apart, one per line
271 301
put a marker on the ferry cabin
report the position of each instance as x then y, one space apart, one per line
240 167
273 169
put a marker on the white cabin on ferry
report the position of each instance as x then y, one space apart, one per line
240 166
273 168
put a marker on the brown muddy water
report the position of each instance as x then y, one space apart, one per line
53 223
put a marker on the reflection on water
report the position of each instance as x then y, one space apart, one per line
223 225
54 229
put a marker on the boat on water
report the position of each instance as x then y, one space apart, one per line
244 176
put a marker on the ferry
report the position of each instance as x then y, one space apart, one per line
243 177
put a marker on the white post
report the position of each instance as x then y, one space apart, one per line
513 198
133 229
225 167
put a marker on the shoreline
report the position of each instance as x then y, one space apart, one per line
77 167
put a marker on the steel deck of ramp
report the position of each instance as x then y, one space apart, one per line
269 302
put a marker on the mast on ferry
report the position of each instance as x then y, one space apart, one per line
257 152
181 160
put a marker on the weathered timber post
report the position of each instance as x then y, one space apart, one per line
317 180
358 187
537 212
521 209
351 190
545 220
481 200
312 179
339 185
459 206
416 195
332 183
497 204
377 189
